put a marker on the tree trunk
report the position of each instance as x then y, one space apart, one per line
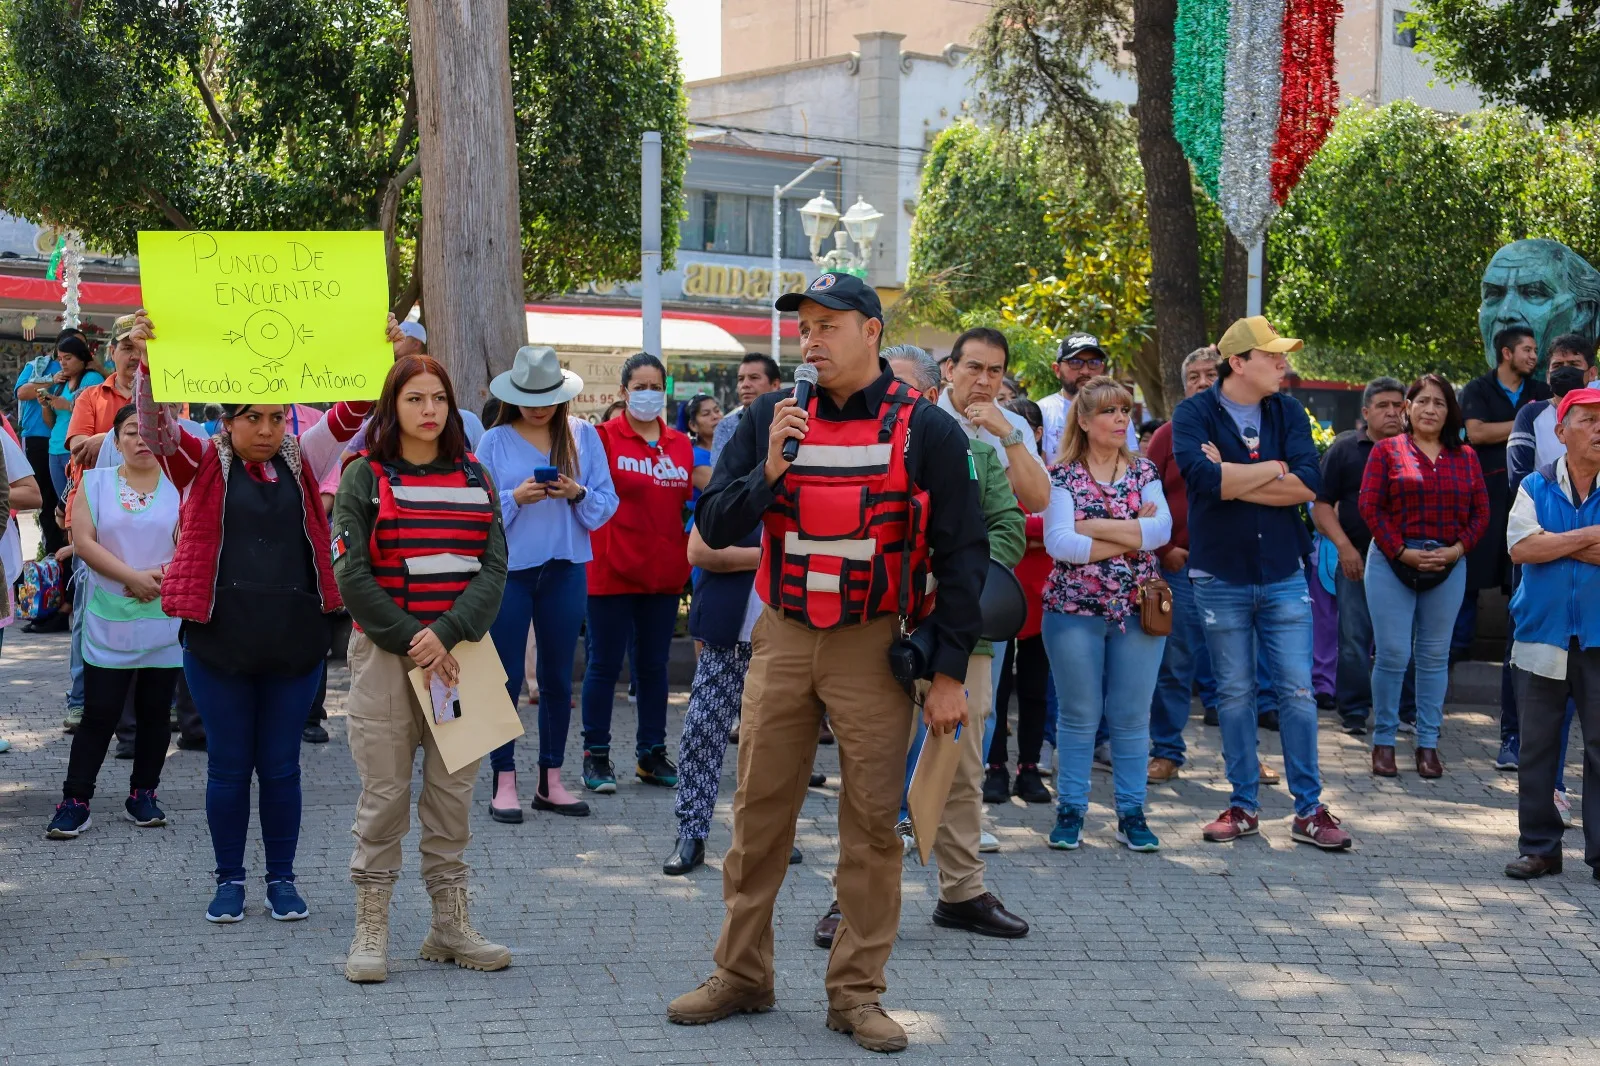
1235 281
1169 197
470 248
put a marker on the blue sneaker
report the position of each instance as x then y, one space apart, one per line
72 818
284 903
5 745
228 904
142 809
1510 751
1132 831
1069 827
598 776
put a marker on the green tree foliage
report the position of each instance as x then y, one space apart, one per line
1538 54
122 115
1377 258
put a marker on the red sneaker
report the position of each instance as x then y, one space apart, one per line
1321 829
1231 824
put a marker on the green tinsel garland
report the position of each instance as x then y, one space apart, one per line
1199 74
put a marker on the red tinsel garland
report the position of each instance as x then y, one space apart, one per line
1310 94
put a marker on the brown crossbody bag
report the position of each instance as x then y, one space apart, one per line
1155 595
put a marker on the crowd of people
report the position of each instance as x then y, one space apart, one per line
837 540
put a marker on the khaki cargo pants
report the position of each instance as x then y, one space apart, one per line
386 726
955 849
796 674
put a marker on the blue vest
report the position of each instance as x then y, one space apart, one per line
716 611
1558 600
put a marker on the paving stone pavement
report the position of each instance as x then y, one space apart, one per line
1409 949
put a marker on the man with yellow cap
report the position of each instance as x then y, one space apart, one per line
1249 462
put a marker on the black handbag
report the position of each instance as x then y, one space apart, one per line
1420 580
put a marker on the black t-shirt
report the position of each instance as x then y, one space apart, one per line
1342 468
1483 399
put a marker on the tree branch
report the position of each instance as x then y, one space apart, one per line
176 217
408 126
389 212
212 109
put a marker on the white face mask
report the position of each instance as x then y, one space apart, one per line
647 404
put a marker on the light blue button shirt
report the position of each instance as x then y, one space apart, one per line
549 529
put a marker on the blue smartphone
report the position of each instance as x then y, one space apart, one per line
546 473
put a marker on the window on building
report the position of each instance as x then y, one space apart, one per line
740 225
1405 34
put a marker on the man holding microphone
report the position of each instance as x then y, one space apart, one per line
877 499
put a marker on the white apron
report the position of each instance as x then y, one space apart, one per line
119 632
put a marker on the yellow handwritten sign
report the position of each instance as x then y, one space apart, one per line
266 317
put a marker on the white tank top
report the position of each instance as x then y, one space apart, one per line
119 632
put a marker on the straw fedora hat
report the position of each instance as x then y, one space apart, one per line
535 379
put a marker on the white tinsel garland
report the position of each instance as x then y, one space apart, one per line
1254 89
71 258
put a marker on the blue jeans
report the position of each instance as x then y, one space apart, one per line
1180 666
1278 617
58 473
1353 681
645 621
80 610
253 724
551 598
1101 671
1397 613
991 726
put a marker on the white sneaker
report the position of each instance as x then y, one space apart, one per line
907 837
988 842
1563 808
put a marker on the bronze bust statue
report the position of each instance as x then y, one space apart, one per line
1541 284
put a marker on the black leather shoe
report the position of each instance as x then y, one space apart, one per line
983 915
818 779
827 926
795 858
314 734
1528 867
689 854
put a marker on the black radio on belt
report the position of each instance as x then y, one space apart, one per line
911 657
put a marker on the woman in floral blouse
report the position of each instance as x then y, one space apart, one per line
1107 514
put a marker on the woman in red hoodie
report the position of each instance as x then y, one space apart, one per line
252 580
641 563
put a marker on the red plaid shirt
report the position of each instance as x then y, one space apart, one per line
1407 496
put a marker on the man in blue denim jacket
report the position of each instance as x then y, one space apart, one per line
1249 463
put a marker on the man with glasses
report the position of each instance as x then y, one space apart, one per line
1079 359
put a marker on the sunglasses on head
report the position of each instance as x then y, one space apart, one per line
1079 362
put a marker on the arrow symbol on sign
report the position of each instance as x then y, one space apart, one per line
233 336
303 333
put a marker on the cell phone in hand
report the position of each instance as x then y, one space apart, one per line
543 474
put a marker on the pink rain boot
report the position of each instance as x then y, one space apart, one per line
551 795
505 807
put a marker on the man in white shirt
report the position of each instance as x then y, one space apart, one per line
1079 359
976 366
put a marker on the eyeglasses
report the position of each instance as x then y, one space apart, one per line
1096 362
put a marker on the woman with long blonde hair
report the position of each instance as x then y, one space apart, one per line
1107 515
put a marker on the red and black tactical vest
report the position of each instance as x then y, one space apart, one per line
847 539
429 535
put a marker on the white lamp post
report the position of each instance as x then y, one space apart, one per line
860 225
818 219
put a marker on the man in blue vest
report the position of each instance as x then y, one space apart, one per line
1554 534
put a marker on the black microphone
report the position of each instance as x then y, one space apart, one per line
805 383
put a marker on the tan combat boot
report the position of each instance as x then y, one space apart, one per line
369 949
715 1000
870 1026
452 938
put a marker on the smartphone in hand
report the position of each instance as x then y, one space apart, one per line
544 474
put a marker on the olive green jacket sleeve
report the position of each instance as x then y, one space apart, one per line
1008 539
355 507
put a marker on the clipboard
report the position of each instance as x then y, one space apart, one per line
930 788
487 718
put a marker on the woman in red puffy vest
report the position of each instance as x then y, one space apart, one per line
253 583
641 564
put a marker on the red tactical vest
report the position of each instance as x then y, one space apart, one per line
847 539
429 535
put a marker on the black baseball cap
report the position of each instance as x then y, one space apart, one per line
1075 345
842 292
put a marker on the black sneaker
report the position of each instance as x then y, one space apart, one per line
124 749
192 743
1029 786
1325 701
1354 724
654 768
72 818
598 776
996 785
314 734
142 809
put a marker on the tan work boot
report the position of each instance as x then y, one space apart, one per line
715 1000
452 938
1162 769
369 949
870 1026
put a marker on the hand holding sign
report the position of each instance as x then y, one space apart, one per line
265 317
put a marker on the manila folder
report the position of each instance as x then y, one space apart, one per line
930 788
488 717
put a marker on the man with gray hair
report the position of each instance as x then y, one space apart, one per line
914 366
1337 516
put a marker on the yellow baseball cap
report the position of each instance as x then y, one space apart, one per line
1249 334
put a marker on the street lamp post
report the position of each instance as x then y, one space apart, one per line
777 242
860 225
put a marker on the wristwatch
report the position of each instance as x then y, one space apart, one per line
1016 436
582 492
